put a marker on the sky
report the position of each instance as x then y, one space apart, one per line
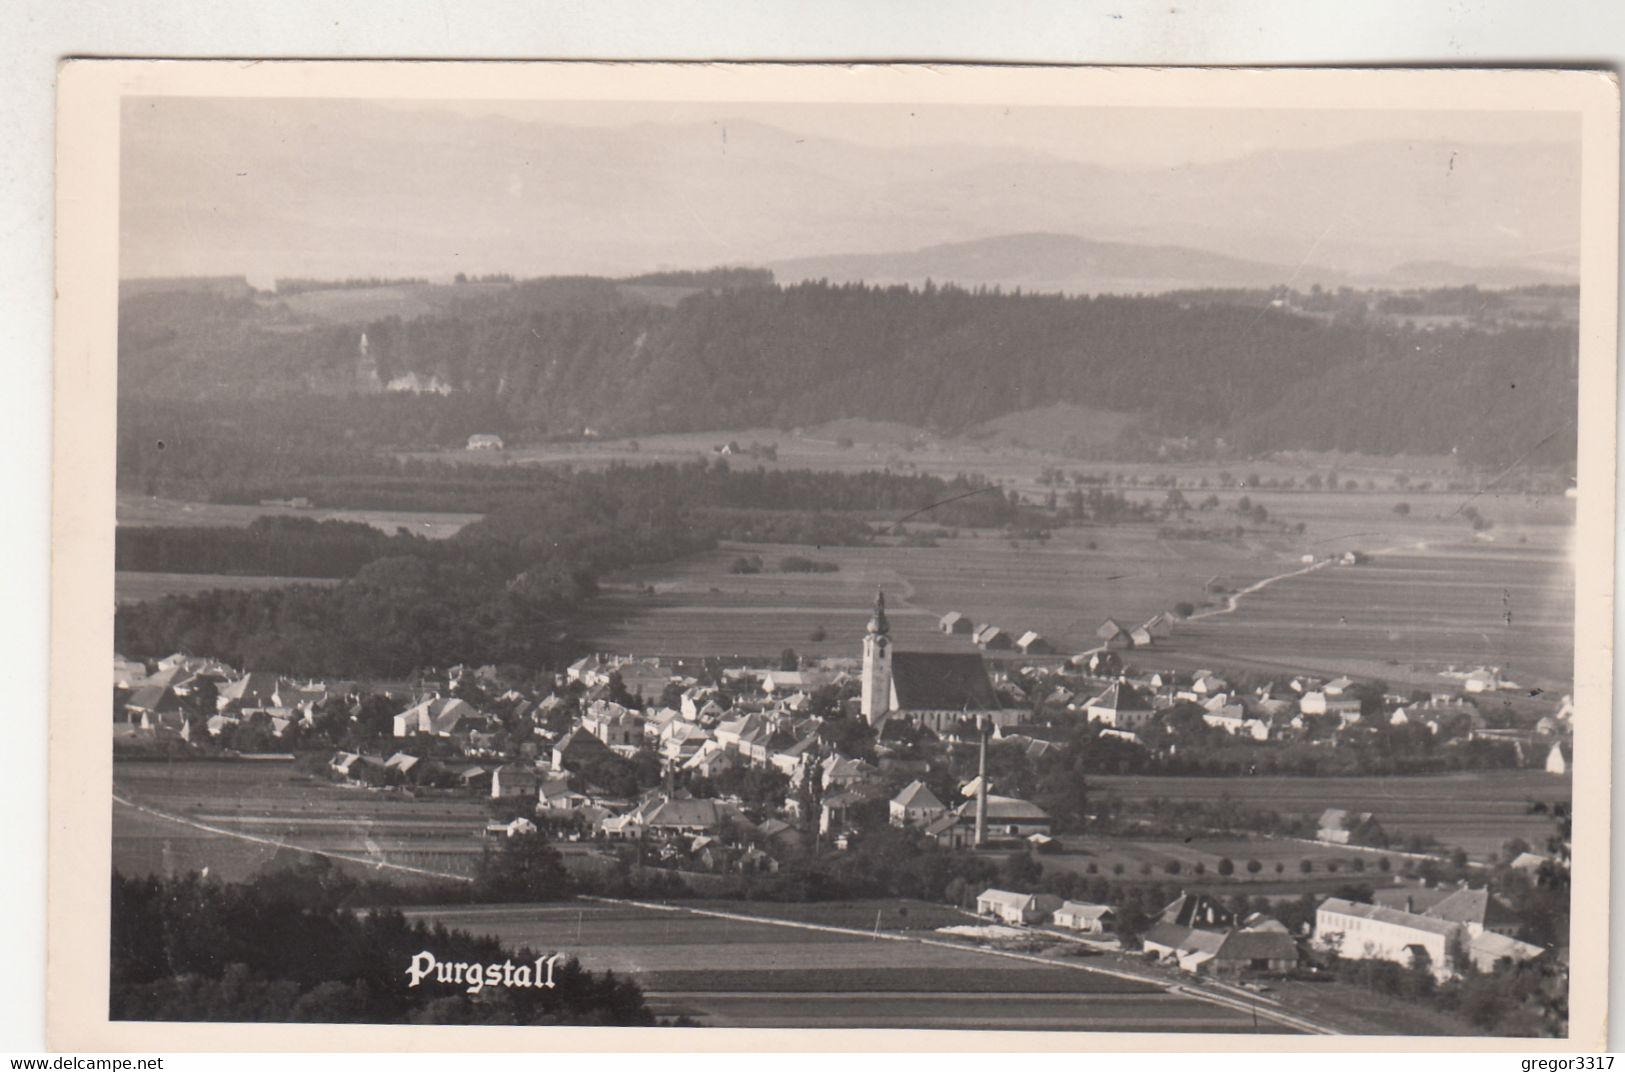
1118 137
275 187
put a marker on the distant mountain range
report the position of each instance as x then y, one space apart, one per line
347 188
1074 265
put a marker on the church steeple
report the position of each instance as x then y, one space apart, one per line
876 698
878 624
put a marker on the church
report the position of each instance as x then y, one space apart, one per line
929 689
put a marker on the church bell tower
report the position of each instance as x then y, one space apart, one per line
877 664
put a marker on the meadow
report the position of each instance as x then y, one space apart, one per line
1477 811
134 586
246 813
145 510
743 973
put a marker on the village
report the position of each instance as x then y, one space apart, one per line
701 769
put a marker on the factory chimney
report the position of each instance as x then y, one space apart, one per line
981 781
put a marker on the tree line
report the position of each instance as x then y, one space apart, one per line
290 948
943 358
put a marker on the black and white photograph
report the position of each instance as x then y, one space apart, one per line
965 550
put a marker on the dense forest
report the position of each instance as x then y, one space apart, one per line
289 948
556 356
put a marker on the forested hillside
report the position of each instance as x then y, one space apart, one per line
557 356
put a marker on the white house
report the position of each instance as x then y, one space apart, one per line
1017 909
1121 706
916 805
1085 918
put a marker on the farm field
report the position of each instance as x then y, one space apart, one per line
784 976
147 510
132 586
1061 588
1409 614
248 811
1149 861
1403 617
1477 811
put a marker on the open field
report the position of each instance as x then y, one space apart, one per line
132 586
271 804
1011 450
147 510
1403 617
1059 587
1407 615
1477 811
740 973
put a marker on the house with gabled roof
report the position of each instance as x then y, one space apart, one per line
578 748
683 818
514 781
1033 644
1017 909
1111 634
1085 918
916 805
955 624
992 638
1122 706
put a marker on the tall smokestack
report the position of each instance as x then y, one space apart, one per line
981 781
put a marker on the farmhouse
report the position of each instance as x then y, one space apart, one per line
1121 706
1160 625
1017 909
955 624
484 442
1140 637
1085 918
1255 950
931 690
1198 910
1113 635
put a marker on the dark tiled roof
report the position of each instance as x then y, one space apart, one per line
1197 910
1258 945
1121 696
942 682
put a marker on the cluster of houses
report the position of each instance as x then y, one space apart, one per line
1333 711
1112 635
156 700
1038 909
1442 930
1202 936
